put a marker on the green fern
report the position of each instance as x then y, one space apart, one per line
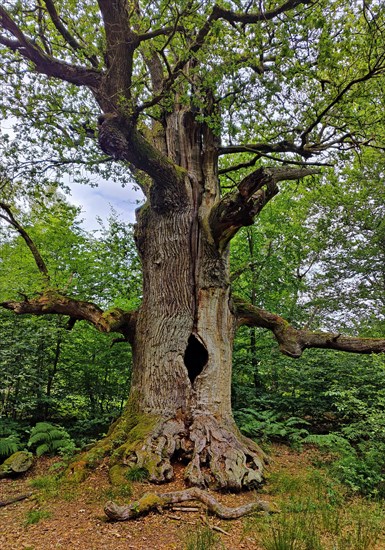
9 445
331 441
49 439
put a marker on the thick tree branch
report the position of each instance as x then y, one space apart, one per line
280 147
120 139
122 41
71 40
44 63
52 302
249 18
9 218
239 208
293 341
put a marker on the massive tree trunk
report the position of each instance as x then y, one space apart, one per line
179 407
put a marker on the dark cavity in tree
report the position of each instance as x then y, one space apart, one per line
195 357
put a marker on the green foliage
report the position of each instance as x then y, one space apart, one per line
137 473
270 425
49 439
11 435
203 538
9 445
34 516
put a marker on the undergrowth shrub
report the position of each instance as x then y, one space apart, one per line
269 425
49 439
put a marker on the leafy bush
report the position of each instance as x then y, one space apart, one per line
361 468
49 439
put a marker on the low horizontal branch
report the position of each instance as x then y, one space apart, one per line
292 342
52 302
154 501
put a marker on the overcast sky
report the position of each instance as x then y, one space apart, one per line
97 202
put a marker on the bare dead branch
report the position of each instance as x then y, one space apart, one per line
14 499
9 218
154 501
293 341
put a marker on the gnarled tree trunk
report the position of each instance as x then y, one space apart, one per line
180 402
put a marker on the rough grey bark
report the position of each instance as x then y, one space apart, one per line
185 329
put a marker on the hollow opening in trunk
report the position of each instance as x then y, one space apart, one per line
195 357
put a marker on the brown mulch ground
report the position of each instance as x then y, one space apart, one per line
77 519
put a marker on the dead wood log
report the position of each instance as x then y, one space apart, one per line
14 499
152 501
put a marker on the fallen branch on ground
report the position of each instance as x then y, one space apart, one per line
155 501
14 499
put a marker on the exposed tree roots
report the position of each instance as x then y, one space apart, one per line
156 501
215 453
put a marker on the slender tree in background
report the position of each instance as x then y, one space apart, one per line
207 108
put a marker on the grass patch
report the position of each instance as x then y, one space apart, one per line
317 514
51 487
34 516
137 473
203 539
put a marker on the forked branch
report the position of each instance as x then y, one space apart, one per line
43 62
239 208
292 342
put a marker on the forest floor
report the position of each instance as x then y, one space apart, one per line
316 514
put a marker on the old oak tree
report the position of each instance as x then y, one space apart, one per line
208 108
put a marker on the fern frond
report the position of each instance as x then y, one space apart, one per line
55 434
37 438
42 449
332 441
9 445
48 438
59 443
